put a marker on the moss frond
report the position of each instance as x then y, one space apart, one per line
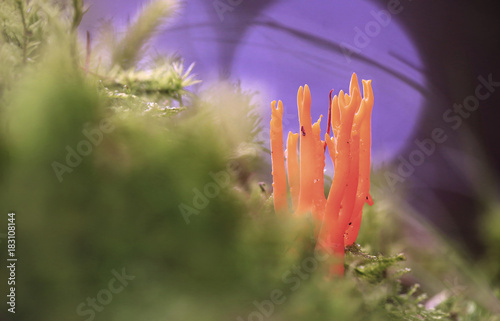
128 50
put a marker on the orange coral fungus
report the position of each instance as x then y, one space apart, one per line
337 217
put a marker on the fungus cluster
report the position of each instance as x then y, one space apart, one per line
337 217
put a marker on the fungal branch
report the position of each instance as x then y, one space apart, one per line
338 216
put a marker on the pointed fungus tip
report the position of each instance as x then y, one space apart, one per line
280 107
307 91
273 107
354 83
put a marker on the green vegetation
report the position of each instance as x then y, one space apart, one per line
112 163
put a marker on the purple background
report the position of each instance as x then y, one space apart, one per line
276 46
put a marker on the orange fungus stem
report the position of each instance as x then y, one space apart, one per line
278 158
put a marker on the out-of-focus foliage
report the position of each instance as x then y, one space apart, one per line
127 51
116 58
491 228
25 30
169 79
105 174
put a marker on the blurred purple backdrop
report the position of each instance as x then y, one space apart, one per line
276 46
